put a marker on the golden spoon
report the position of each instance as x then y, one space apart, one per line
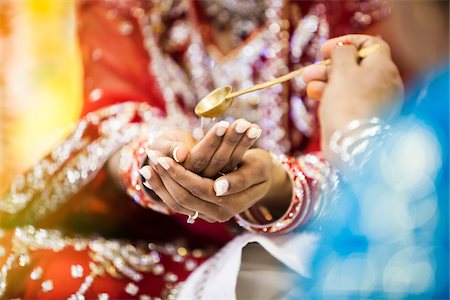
218 101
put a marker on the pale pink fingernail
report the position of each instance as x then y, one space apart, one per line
153 157
221 187
164 163
242 126
147 185
145 172
174 154
254 133
222 127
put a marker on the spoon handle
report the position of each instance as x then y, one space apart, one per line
361 54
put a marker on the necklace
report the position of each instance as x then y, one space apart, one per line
241 18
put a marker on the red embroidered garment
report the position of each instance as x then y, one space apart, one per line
163 57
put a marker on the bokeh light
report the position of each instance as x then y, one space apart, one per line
42 80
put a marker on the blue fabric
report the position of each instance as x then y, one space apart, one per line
388 235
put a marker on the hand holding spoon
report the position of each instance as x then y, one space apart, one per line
218 101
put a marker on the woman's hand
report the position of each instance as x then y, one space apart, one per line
256 179
352 88
221 149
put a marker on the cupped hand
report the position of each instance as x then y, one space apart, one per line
216 200
220 150
353 88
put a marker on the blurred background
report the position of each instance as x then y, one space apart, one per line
40 80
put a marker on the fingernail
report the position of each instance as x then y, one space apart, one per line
164 163
222 127
254 133
242 126
342 43
152 155
147 185
221 187
174 154
145 172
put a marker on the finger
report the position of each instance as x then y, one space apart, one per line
359 41
201 153
343 59
315 89
240 180
175 149
183 196
247 141
231 139
155 183
315 72
198 186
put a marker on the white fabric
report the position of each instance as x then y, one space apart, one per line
217 277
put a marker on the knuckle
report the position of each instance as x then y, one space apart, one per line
199 163
175 174
232 139
247 142
218 161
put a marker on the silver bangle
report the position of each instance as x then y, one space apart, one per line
354 143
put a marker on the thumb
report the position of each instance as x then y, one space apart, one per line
180 153
175 149
343 58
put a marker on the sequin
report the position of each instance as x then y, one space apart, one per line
145 297
97 54
76 297
95 94
47 286
177 258
126 28
274 27
2 251
182 251
171 277
158 269
76 271
131 289
103 296
24 260
190 264
36 274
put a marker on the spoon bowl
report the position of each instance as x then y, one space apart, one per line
215 103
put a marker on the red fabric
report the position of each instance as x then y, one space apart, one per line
122 74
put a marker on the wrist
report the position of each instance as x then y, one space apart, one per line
279 195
